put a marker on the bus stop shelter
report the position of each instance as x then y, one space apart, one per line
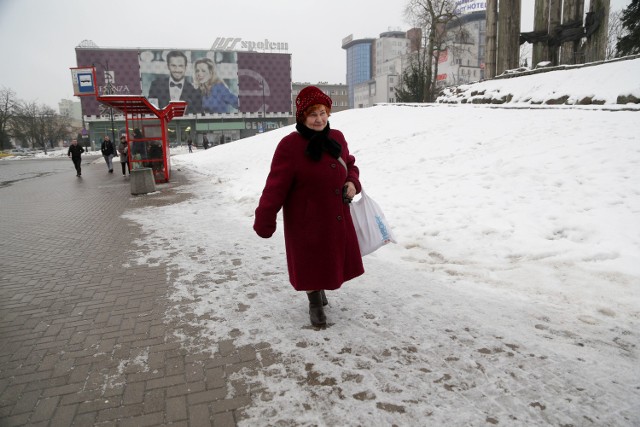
146 131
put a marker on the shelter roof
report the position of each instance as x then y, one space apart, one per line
136 104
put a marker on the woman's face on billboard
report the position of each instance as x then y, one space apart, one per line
202 73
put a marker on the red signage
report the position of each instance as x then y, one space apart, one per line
443 56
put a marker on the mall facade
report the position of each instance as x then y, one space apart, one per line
257 82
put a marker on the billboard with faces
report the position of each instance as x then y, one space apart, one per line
212 82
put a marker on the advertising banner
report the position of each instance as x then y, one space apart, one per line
212 82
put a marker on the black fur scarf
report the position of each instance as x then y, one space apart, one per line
319 142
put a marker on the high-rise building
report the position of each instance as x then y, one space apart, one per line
374 66
360 63
71 109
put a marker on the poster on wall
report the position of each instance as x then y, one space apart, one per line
206 80
211 82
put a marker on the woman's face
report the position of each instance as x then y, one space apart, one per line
316 118
202 73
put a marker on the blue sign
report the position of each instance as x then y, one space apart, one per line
85 83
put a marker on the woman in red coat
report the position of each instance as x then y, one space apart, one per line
313 178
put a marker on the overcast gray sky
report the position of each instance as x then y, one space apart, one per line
38 37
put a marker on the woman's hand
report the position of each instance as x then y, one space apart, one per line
351 189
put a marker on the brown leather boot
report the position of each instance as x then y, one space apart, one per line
316 311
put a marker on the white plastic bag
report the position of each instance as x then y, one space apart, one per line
371 226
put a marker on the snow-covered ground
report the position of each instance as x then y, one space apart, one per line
511 298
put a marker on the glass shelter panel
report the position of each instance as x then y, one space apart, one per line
147 149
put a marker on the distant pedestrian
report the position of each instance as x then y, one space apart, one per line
108 151
190 145
205 142
75 151
124 155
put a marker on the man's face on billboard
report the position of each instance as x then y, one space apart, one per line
177 68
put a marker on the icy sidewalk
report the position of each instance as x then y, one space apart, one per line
405 344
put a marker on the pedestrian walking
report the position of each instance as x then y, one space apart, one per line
205 142
124 155
108 151
312 179
75 151
190 145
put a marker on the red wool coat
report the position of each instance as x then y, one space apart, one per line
321 243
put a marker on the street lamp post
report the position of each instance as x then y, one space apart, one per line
264 110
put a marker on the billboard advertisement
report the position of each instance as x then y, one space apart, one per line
212 82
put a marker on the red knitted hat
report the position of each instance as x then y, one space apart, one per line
309 96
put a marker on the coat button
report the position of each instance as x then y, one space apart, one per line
333 165
339 217
337 191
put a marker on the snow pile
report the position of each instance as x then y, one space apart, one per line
610 83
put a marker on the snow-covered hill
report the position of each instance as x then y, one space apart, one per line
613 83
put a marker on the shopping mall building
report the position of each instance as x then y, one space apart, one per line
257 77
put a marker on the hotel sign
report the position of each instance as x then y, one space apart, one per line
469 6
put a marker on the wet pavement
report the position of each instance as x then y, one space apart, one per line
85 340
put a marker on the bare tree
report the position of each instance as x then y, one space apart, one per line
616 32
434 17
39 125
8 103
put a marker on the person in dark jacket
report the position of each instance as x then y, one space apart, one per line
108 151
75 151
310 171
124 155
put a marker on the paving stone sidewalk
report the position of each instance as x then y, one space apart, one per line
84 340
